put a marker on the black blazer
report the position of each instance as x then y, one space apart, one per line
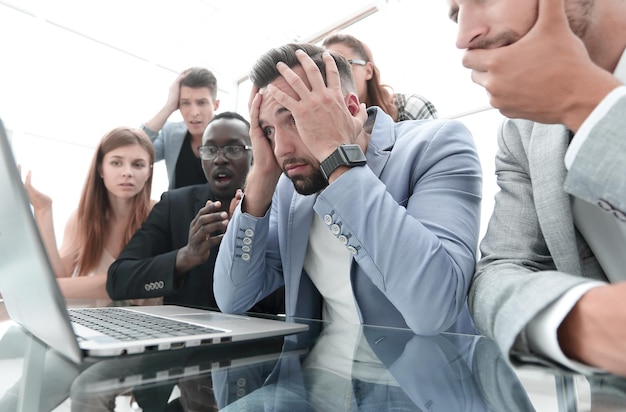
146 266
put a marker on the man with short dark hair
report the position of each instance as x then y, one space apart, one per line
173 254
194 94
371 222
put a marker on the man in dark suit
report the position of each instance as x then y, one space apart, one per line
173 254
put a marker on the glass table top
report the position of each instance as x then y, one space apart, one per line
330 367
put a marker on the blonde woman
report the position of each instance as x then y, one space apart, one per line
114 203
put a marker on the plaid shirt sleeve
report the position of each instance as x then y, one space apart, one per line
414 107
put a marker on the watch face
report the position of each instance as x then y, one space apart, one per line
353 153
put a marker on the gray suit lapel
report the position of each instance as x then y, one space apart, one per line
546 156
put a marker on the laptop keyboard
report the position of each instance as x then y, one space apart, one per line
126 325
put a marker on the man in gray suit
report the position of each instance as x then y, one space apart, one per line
547 286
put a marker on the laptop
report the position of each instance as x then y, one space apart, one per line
33 300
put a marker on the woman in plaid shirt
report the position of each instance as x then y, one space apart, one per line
370 89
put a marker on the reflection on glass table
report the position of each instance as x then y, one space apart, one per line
331 367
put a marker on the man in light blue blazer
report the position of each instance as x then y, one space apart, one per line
362 219
549 285
194 94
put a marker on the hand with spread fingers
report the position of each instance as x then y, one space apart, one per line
265 170
205 231
322 114
173 95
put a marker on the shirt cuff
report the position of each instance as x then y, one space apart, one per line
541 332
596 115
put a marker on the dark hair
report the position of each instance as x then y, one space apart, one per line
378 94
264 70
231 116
200 77
228 116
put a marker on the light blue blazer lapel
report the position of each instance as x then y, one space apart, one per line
546 154
298 228
382 139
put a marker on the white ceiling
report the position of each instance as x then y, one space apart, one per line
224 35
124 54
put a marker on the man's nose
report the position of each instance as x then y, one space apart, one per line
470 29
220 157
195 109
283 143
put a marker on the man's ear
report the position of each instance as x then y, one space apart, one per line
352 102
369 70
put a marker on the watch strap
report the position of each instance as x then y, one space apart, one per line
332 162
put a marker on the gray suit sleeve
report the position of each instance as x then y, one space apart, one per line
597 174
516 276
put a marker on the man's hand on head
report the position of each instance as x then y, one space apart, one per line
265 171
173 96
324 116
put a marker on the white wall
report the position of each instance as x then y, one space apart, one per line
62 90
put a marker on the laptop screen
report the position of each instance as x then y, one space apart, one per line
27 282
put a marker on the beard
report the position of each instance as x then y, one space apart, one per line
579 14
306 184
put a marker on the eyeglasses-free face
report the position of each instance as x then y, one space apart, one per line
232 152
